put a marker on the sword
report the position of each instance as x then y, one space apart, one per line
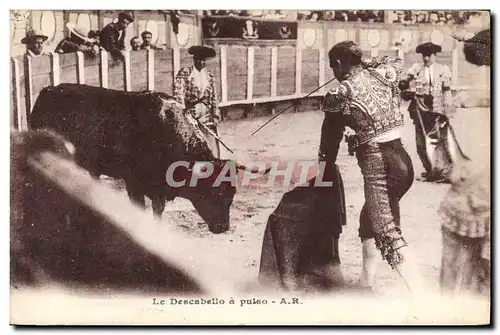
274 117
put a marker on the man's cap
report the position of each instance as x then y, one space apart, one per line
345 49
31 34
428 48
200 51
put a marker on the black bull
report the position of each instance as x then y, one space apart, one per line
134 136
300 246
68 229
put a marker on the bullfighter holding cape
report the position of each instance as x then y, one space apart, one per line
430 108
308 221
194 88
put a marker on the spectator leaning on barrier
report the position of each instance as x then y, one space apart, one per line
94 34
135 43
112 36
34 41
194 88
77 40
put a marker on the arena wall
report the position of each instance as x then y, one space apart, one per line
249 75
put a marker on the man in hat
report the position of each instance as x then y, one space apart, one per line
430 106
386 167
112 36
147 37
194 88
78 40
34 41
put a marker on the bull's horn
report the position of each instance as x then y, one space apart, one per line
253 170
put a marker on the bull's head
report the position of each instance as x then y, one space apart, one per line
186 142
210 186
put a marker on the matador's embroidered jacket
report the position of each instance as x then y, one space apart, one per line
197 87
369 99
433 80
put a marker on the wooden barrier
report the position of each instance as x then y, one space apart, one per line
243 75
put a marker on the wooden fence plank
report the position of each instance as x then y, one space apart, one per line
80 67
286 71
164 71
68 66
176 60
454 68
41 64
298 70
39 82
139 70
22 92
16 112
151 70
262 75
310 70
127 72
237 70
250 71
274 71
56 69
28 84
223 73
92 70
116 73
103 69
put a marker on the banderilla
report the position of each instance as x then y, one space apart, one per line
278 114
202 125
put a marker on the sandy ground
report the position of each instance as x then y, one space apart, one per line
295 136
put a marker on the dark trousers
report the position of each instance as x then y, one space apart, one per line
388 174
428 120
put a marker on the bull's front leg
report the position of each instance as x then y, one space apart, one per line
95 175
158 203
135 193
